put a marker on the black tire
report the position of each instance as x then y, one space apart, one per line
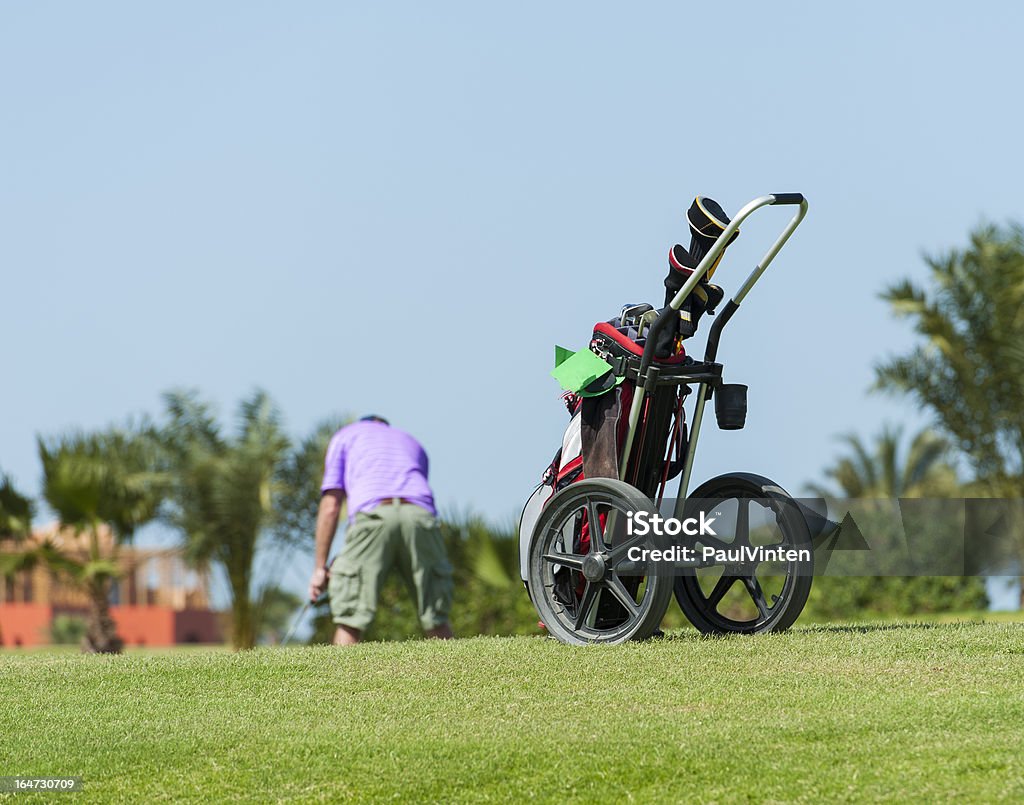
582 603
714 610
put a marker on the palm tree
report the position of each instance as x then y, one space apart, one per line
15 510
968 369
299 484
875 475
15 524
224 496
882 472
110 481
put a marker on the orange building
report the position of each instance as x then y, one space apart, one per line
157 601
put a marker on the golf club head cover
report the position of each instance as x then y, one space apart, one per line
707 221
665 343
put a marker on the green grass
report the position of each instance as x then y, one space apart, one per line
877 712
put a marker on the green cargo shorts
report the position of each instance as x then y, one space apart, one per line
392 535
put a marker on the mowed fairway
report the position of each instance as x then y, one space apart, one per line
889 712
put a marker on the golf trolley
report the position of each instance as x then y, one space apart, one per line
581 558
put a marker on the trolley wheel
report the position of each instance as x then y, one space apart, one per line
726 597
578 550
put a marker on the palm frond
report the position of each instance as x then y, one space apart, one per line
112 476
16 510
887 450
883 473
926 457
968 365
45 554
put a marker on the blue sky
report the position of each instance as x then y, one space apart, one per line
402 207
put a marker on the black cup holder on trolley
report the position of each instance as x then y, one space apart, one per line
731 406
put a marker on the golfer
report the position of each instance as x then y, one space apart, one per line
382 471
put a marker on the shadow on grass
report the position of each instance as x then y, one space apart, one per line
867 628
825 628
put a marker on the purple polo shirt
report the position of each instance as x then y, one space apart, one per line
370 462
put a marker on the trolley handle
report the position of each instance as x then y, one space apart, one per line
709 260
788 198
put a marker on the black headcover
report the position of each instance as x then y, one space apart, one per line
707 221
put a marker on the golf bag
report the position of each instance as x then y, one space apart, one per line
593 442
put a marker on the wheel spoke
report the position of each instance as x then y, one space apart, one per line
620 592
614 527
596 535
618 552
742 522
570 560
720 589
585 604
712 542
757 594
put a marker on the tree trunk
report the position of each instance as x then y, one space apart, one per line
243 635
243 626
101 633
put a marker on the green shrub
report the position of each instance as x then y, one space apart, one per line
843 598
67 630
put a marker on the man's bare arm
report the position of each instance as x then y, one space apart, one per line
327 523
327 517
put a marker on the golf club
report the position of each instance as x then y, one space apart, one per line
302 614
